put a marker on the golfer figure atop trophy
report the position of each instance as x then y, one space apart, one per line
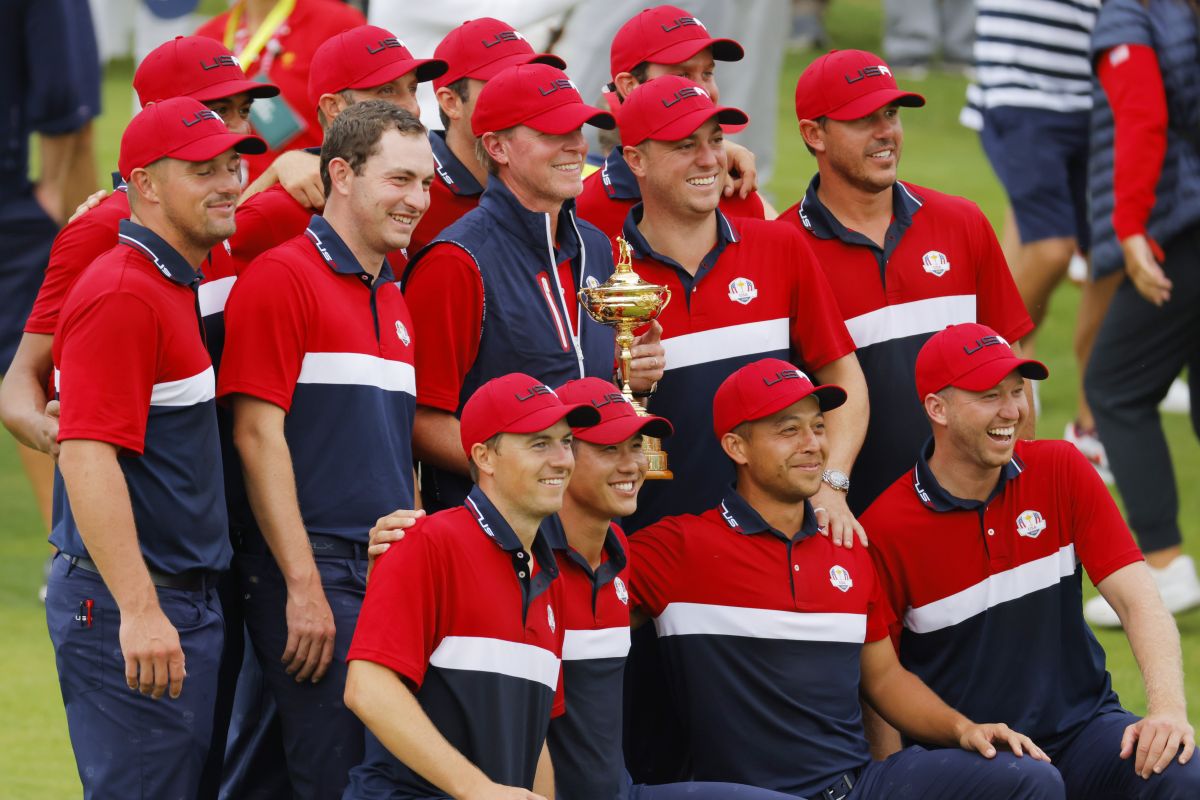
625 302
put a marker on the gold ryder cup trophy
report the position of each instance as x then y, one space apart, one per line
625 302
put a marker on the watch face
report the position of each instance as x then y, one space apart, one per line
837 479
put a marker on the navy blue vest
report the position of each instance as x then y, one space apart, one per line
1168 26
524 312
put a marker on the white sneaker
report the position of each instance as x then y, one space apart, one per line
1177 585
1077 270
1178 399
1092 448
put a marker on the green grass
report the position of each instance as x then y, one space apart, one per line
35 755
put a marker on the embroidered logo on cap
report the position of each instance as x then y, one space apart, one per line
685 92
221 61
742 290
683 22
1031 524
840 578
935 263
622 592
502 37
868 72
402 332
385 44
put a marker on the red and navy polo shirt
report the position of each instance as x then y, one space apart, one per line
312 332
454 192
132 370
610 192
459 613
989 593
759 293
941 265
765 672
585 742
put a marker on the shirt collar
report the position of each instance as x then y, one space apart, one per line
531 225
119 183
450 171
935 496
174 266
821 222
609 568
337 255
741 517
726 235
492 523
618 179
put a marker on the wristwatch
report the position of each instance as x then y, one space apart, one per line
836 479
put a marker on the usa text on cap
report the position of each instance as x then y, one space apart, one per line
618 419
763 387
481 48
972 357
668 109
537 95
181 128
665 35
194 66
363 58
517 403
848 84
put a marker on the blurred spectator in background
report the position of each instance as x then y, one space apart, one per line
1144 190
917 32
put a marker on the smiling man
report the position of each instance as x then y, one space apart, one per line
982 546
318 370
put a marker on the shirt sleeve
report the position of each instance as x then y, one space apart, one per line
266 330
999 303
77 246
819 333
398 624
107 362
445 297
1130 77
655 554
255 232
881 619
887 575
1102 539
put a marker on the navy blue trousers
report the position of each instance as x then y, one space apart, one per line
952 774
127 745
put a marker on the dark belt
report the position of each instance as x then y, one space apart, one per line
251 541
193 580
840 789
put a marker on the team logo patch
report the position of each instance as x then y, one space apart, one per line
550 617
840 578
622 592
402 332
935 263
1031 524
591 282
742 290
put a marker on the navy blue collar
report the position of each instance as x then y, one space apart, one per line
531 226
726 235
119 183
450 170
935 497
610 568
617 178
821 222
741 517
159 253
492 523
337 255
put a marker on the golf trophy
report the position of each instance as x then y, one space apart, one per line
625 302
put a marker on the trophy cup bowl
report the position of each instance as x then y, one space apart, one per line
625 302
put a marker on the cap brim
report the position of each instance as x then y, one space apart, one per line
689 123
873 101
220 91
426 68
212 146
615 431
988 375
723 50
570 117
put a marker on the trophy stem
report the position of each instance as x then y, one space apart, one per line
625 342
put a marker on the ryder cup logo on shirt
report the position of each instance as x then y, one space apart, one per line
742 290
935 263
622 592
1031 524
840 578
550 617
402 332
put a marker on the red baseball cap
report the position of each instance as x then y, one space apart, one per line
194 66
666 35
763 387
481 48
668 109
972 357
363 58
619 420
848 84
182 128
517 403
537 95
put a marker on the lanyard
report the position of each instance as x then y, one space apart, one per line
258 40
